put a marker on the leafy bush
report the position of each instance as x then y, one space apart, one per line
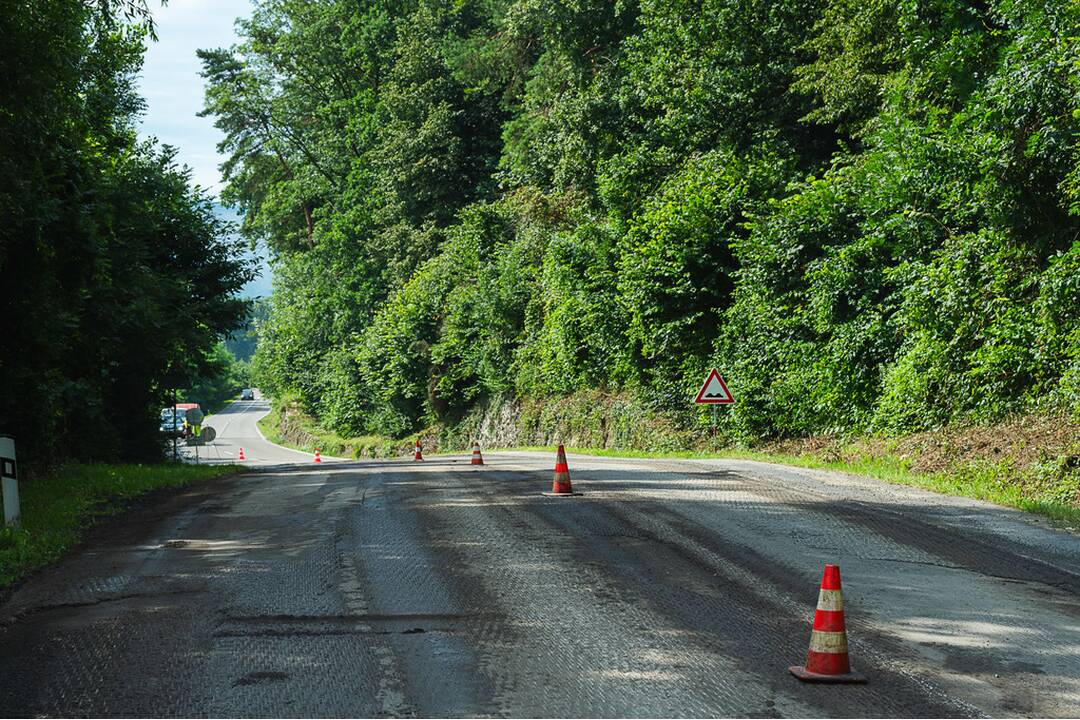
864 213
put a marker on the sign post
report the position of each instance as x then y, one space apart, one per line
195 417
714 392
175 439
10 480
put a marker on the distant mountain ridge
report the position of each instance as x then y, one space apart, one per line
261 286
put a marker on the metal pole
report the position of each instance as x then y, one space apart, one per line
175 448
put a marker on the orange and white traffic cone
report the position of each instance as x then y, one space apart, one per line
827 661
241 455
561 486
477 458
418 455
318 457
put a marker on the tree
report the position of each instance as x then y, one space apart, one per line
110 260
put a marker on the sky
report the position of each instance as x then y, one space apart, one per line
171 84
173 90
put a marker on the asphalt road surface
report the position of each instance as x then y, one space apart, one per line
236 428
669 588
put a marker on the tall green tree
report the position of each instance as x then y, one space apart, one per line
117 283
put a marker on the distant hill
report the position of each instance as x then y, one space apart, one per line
261 285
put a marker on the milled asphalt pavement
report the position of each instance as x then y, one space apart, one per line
435 588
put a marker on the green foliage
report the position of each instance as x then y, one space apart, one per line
222 381
117 283
677 267
241 343
579 341
865 213
855 47
287 424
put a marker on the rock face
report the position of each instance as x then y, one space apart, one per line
585 419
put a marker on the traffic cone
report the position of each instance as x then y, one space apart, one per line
827 660
418 455
477 458
241 456
318 457
561 486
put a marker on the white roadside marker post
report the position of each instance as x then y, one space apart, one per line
9 474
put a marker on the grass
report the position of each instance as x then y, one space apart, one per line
286 425
58 508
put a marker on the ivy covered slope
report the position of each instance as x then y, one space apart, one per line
865 212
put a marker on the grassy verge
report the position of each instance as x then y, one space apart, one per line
58 508
289 426
220 406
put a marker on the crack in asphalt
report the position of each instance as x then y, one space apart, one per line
316 632
53 607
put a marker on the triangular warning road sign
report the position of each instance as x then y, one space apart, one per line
714 391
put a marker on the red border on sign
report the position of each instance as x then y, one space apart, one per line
700 399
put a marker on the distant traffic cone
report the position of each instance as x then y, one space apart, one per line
477 458
241 456
418 455
561 486
318 457
827 661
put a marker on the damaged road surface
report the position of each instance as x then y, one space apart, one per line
436 588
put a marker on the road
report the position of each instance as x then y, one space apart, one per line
435 588
236 429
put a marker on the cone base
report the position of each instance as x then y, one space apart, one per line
562 494
806 676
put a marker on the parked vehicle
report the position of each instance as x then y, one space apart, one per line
171 428
177 427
